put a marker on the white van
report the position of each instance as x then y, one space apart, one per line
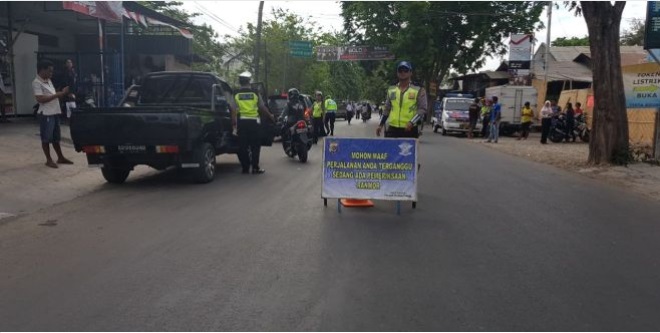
453 116
512 99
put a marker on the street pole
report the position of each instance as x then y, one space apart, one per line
547 49
257 48
122 55
286 66
12 67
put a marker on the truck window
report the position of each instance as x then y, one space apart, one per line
176 89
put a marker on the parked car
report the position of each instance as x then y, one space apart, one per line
178 119
341 111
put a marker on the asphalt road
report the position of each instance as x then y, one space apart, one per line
496 243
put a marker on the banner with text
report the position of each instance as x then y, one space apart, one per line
641 85
381 169
106 10
353 53
520 53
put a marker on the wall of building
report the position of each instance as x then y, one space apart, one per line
25 65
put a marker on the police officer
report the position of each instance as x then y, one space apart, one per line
330 114
250 107
405 106
318 112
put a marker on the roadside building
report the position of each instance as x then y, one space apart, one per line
111 45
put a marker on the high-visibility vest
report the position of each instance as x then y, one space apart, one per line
330 105
404 105
318 111
248 103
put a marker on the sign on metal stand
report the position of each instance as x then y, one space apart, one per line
370 169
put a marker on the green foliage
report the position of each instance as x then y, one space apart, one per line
339 79
440 36
634 36
573 41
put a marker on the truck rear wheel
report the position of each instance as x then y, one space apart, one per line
205 156
114 175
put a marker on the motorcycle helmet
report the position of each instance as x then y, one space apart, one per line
245 77
293 93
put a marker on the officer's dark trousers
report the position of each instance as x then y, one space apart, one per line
317 124
396 132
249 143
330 123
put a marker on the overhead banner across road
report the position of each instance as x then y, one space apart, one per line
382 169
353 53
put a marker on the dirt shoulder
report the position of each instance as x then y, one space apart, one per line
642 178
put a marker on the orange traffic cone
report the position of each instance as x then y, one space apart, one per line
357 203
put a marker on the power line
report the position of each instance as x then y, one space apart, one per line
214 17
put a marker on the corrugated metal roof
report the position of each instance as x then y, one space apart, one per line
496 75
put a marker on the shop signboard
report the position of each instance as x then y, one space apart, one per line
642 85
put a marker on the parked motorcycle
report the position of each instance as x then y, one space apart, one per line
559 128
296 139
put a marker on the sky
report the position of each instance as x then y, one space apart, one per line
227 17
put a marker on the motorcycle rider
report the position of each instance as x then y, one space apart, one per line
405 106
249 107
295 109
318 114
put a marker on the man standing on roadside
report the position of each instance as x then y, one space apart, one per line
330 115
495 116
474 117
49 112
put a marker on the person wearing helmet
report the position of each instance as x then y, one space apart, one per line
250 108
330 115
405 106
318 113
295 109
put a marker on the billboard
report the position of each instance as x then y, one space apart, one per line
105 10
641 85
652 33
353 53
520 54
383 169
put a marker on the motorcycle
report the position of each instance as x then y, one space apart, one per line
366 115
559 128
296 139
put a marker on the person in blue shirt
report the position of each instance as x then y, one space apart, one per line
495 116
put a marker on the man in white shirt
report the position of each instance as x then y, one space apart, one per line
49 112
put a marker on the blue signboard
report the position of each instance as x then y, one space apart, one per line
381 169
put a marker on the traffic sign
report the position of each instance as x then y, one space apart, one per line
300 49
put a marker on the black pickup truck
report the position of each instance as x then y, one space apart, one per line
179 119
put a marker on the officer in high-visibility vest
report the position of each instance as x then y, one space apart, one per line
250 107
405 106
330 113
318 112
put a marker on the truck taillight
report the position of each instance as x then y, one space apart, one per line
167 149
93 149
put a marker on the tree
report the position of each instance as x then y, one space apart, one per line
573 41
609 142
634 36
440 36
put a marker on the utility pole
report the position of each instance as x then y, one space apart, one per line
547 47
257 48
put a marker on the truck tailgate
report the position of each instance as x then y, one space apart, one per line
128 126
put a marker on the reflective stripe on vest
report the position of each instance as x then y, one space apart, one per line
330 105
318 111
404 105
248 104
